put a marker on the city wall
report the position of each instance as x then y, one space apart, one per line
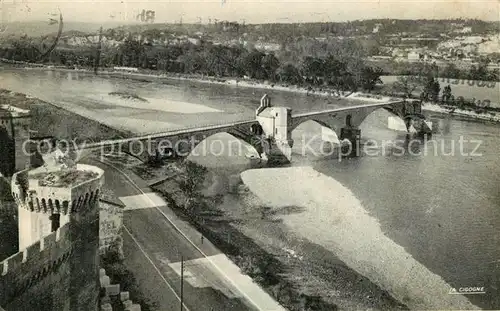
38 277
59 272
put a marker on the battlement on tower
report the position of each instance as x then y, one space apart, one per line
58 213
51 246
60 190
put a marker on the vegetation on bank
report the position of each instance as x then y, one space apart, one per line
334 64
310 54
424 85
478 72
341 70
331 64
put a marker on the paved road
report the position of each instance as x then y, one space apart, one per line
154 245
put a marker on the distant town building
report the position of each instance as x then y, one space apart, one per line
194 41
267 46
376 28
413 56
466 30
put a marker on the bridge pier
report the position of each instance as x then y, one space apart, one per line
353 135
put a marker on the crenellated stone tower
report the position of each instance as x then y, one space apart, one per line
58 265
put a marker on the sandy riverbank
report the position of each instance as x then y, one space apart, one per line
329 215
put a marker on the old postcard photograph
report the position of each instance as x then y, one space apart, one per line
232 155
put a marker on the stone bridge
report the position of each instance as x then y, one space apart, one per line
269 133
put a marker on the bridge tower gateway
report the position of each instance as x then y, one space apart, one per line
276 128
60 197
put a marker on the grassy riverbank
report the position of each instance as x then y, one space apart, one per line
465 113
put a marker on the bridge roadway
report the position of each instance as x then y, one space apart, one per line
227 126
344 109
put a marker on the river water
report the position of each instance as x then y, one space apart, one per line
441 207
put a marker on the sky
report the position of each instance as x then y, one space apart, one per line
249 11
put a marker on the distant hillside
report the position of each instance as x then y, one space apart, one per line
270 31
42 28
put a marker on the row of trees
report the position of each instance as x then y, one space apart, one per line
236 61
429 89
475 72
478 72
338 70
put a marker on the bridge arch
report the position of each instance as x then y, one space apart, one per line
223 143
314 137
362 118
316 119
406 118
